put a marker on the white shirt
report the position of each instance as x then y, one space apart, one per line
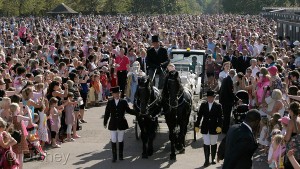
117 101
210 105
254 71
223 75
248 126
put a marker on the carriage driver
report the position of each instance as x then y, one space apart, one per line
157 61
115 111
212 114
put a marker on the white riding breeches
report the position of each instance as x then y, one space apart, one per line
210 139
117 135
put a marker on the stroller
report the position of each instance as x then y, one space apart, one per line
241 108
35 148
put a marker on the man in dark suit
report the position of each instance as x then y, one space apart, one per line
211 113
227 98
157 59
142 61
231 58
241 143
115 111
243 62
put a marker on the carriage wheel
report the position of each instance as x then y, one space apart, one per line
137 130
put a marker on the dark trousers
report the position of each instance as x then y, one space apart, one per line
122 81
227 107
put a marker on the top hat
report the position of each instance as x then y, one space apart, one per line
115 89
155 38
211 93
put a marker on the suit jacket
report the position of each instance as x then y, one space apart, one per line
226 94
240 147
233 61
211 119
139 59
155 59
116 114
242 64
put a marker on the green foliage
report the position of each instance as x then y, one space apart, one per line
40 7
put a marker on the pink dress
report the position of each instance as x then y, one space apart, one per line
260 88
22 32
70 117
55 121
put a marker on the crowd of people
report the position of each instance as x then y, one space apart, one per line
52 68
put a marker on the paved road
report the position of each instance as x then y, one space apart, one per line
92 151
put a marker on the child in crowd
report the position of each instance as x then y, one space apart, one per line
98 88
104 82
284 122
91 93
43 129
70 116
270 153
263 137
278 152
18 122
54 118
34 138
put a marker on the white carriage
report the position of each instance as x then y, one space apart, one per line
190 65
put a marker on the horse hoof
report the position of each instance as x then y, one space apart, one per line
144 156
182 151
150 152
172 157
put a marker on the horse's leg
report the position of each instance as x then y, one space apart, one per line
144 139
151 134
171 126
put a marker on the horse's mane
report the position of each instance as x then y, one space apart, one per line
171 75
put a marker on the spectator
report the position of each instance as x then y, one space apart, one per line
240 142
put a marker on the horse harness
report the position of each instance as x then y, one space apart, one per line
151 105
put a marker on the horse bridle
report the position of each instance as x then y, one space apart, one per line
149 106
169 99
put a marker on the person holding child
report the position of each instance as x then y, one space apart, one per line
18 122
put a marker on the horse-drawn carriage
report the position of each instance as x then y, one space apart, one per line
178 101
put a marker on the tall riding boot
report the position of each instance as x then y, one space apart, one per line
121 147
213 153
206 154
114 151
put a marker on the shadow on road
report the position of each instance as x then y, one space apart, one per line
132 155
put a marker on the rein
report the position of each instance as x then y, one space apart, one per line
149 106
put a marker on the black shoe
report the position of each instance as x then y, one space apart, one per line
83 121
121 147
114 151
206 164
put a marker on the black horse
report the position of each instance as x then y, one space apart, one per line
177 111
147 103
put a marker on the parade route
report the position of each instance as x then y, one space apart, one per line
92 150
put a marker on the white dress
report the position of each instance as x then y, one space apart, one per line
42 131
263 138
